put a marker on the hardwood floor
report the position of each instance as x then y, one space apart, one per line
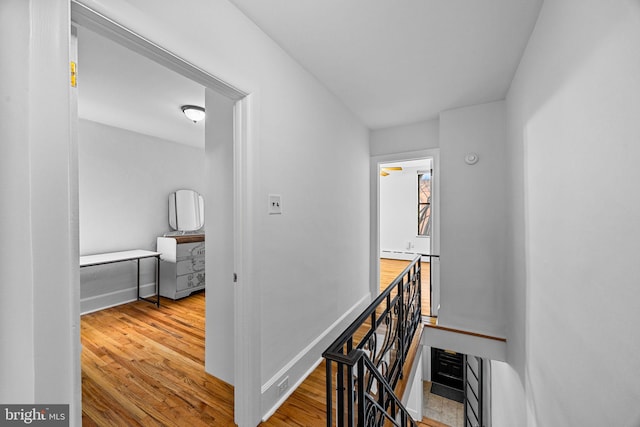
144 366
307 405
391 268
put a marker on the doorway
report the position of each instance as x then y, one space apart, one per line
405 222
134 151
458 390
236 147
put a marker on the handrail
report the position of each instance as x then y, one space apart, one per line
353 327
396 406
379 340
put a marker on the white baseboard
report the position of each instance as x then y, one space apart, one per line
301 366
402 255
112 299
290 391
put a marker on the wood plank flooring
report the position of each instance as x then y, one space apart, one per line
391 268
144 366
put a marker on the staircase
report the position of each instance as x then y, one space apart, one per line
368 365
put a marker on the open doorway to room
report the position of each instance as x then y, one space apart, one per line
406 220
140 326
134 151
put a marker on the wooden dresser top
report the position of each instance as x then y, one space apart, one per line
188 238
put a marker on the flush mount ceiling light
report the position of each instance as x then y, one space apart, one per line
193 112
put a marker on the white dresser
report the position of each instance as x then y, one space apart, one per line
182 266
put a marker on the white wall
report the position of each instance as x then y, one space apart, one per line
310 263
16 368
219 220
507 395
473 213
399 213
39 315
399 139
399 143
573 105
124 183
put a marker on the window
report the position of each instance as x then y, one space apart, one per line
424 203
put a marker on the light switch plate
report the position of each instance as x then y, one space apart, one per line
275 204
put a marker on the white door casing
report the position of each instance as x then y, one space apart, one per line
246 346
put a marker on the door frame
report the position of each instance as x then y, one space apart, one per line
246 334
374 255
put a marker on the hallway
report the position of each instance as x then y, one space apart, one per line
143 365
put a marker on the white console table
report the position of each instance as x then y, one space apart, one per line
133 255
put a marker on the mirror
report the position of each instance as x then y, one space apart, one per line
186 210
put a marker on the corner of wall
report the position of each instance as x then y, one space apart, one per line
406 138
473 208
305 362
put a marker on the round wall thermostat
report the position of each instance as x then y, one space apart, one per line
471 158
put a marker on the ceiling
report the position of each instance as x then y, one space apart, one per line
121 88
399 62
407 164
390 62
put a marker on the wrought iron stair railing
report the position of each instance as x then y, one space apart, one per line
365 363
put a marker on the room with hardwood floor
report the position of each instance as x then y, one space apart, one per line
143 365
391 268
107 368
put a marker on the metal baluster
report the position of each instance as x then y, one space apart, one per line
361 398
350 396
340 394
401 320
329 386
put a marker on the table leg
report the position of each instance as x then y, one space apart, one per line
157 300
158 280
138 278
